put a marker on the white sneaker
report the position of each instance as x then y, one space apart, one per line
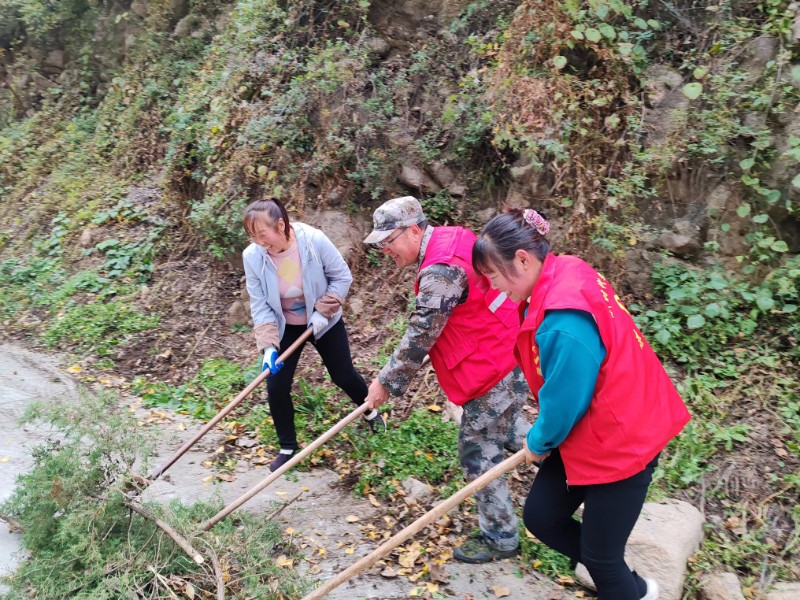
652 589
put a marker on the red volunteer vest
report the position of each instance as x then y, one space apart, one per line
475 349
635 410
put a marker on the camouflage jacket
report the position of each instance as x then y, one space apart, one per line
442 287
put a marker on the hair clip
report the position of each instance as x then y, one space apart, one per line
535 220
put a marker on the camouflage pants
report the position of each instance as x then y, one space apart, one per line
489 423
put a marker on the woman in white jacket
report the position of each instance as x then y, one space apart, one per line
297 279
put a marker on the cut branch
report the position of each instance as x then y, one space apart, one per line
182 543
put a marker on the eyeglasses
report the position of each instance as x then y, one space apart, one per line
386 243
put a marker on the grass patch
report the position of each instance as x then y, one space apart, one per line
98 327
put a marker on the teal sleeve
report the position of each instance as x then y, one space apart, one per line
571 352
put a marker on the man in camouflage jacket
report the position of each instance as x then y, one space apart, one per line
492 420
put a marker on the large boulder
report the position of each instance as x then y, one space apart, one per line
664 538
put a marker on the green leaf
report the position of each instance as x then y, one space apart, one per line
713 310
773 196
726 227
779 246
608 31
662 336
560 62
765 302
700 72
743 210
578 35
796 180
747 163
625 48
693 90
695 321
592 35
762 218
789 308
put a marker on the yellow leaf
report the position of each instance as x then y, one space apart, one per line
4 459
374 501
289 530
352 518
74 369
305 489
434 408
284 562
500 591
537 564
432 587
322 551
272 175
349 550
407 560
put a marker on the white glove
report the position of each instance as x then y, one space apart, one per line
317 323
270 356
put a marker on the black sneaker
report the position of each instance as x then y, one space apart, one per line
478 549
377 424
279 461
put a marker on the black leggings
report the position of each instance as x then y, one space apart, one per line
609 513
334 349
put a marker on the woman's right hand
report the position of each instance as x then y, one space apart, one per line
532 457
270 356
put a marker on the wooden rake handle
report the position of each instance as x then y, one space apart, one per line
418 525
286 466
224 412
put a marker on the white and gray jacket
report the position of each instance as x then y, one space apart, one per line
323 270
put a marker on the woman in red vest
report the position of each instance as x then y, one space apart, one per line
606 405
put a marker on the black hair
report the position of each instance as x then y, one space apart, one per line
270 207
501 237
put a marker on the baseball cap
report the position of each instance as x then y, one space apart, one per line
393 214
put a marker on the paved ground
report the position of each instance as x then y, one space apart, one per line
317 516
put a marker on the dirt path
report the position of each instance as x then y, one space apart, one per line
317 519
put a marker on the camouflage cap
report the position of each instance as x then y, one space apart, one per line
393 214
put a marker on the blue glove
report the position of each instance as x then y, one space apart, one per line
270 356
317 323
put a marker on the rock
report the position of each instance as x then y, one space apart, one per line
665 536
185 26
339 228
720 586
517 199
417 490
784 591
486 214
522 174
417 179
238 314
378 46
56 58
443 175
87 238
139 8
684 239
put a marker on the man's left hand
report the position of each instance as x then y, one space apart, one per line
377 394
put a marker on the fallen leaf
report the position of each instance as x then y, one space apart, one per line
438 573
434 408
4 459
229 477
284 562
374 501
289 530
500 591
389 573
305 489
189 591
74 369
352 518
350 550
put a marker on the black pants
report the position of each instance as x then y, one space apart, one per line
334 349
609 513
